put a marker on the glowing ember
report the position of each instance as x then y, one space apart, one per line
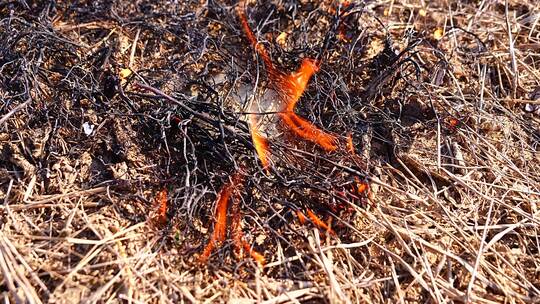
342 32
259 141
296 83
259 258
291 88
319 223
220 227
241 244
294 86
350 144
161 203
301 217
306 130
361 187
253 40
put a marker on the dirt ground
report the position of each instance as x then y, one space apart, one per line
124 123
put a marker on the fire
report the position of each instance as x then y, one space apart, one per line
253 40
294 86
361 186
301 217
350 144
259 141
220 227
296 83
306 130
160 202
291 87
318 222
342 32
241 244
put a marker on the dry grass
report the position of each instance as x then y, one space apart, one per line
447 135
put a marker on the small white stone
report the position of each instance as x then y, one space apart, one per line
88 128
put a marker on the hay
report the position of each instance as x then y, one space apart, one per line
105 104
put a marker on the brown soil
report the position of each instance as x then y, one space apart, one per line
107 103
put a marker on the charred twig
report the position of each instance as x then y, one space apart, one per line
14 110
203 116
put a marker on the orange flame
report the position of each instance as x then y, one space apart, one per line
296 83
259 258
342 33
253 40
301 217
260 142
318 222
306 130
350 144
361 186
220 227
291 88
241 244
160 202
294 86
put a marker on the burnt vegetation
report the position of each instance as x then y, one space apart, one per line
124 123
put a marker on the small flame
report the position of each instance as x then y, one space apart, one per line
342 32
252 39
314 219
361 186
241 244
260 142
259 258
350 144
301 217
306 130
161 203
318 222
220 227
292 87
296 83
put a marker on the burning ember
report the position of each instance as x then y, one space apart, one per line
259 141
317 221
289 88
159 218
220 227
